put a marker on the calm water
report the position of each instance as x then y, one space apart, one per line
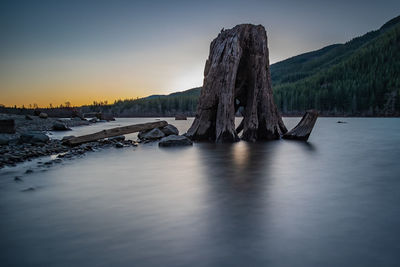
334 201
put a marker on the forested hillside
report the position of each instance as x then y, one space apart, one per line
360 77
155 105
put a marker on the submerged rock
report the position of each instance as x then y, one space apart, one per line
175 140
59 126
170 129
29 189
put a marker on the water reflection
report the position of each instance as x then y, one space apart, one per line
306 145
330 202
240 165
238 176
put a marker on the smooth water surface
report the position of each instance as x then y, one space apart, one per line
334 201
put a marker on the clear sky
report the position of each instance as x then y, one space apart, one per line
85 51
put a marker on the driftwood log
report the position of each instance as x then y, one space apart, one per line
303 129
237 76
114 132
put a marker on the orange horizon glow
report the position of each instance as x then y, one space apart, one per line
61 51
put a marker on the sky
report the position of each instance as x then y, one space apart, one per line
52 52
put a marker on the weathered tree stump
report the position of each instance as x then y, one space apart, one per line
303 129
237 75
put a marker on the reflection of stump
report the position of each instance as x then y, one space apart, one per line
303 130
237 75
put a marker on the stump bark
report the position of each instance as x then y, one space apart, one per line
237 75
303 129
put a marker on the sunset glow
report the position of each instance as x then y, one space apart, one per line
53 52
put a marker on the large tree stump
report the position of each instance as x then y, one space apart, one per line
303 129
237 75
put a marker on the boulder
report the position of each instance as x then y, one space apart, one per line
60 126
180 117
43 115
7 126
175 140
119 145
34 138
169 130
153 134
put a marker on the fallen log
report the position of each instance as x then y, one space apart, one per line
114 132
303 129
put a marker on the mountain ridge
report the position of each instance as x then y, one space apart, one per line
358 78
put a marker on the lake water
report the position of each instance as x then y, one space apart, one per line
334 201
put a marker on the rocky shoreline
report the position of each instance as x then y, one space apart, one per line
30 140
15 153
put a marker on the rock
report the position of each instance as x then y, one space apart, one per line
43 115
237 74
29 189
341 122
169 130
28 117
36 112
7 126
118 138
34 138
106 117
59 126
153 134
18 179
4 140
180 117
28 171
175 140
119 145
